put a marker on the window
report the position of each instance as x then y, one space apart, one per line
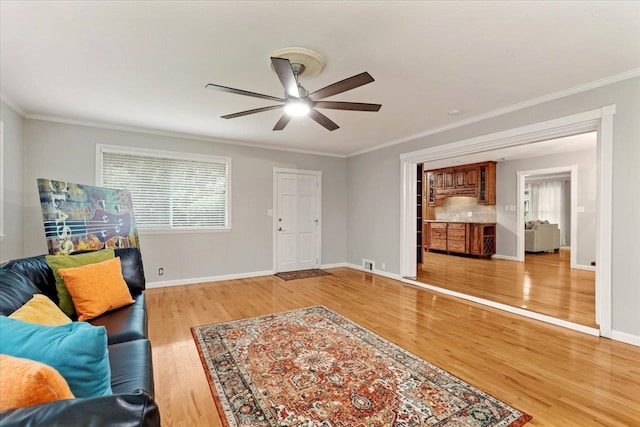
170 191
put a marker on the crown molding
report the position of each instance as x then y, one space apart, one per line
13 105
189 136
515 107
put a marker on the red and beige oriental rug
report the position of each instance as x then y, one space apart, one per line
315 368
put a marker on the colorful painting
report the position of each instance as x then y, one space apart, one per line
82 217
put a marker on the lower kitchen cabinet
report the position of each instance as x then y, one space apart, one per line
477 239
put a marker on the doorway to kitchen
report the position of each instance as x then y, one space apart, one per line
599 121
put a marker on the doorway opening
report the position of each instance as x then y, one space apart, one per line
599 121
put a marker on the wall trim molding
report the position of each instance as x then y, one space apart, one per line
495 113
376 271
468 298
626 338
505 257
148 131
198 280
600 120
13 106
515 107
335 265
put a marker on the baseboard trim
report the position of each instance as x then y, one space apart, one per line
515 310
193 281
615 335
505 257
336 265
375 271
625 338
584 267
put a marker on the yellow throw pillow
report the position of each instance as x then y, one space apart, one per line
25 382
96 288
41 310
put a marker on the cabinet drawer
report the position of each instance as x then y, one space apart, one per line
456 234
439 244
457 246
454 226
438 233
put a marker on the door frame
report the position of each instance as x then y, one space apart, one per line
600 120
274 236
521 177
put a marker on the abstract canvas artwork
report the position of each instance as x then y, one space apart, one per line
81 217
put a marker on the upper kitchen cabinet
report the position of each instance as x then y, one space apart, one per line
473 180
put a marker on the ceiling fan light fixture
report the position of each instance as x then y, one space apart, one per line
296 108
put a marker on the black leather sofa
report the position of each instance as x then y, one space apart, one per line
131 403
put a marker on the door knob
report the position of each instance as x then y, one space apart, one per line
279 228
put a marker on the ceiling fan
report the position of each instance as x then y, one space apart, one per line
297 100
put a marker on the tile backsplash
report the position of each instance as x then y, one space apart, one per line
458 209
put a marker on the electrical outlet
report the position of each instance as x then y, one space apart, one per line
469 214
160 271
383 266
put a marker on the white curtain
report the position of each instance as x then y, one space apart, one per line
547 203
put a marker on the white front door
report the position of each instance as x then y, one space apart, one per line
297 220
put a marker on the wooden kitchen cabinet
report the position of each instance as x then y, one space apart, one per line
477 239
457 237
473 180
482 239
438 236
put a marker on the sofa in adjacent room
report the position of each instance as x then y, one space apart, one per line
540 236
127 395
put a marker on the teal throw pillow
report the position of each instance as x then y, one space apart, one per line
77 350
69 261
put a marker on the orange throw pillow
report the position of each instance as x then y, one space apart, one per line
96 288
25 382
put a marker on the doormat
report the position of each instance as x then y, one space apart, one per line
314 367
301 274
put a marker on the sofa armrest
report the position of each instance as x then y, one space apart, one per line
117 410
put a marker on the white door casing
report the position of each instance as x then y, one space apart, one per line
600 120
296 219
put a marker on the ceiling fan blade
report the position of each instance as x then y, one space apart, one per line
286 76
242 92
342 86
255 110
323 120
284 120
352 106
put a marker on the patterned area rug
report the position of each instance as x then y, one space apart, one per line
301 274
314 367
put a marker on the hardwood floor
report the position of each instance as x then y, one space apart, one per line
560 377
544 283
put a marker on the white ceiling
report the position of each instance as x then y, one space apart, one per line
144 64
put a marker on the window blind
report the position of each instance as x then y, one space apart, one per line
171 192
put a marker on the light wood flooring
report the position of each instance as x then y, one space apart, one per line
544 283
560 377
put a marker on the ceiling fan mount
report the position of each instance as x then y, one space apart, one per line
289 64
307 61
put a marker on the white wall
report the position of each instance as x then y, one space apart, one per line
67 153
506 193
374 188
12 160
